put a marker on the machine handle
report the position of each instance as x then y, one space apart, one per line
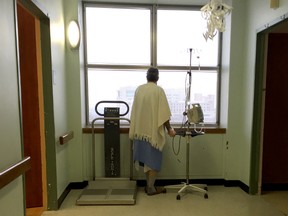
116 102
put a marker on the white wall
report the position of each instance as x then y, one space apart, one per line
11 196
208 153
247 17
206 157
75 96
233 73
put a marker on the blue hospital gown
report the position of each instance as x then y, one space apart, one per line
144 153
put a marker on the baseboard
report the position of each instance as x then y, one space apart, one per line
72 185
275 187
163 182
63 196
78 185
236 183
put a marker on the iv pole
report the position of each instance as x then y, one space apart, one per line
188 94
188 134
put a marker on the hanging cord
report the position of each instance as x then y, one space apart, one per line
187 100
201 125
179 146
184 122
201 128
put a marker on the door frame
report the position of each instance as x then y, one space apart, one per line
51 179
259 104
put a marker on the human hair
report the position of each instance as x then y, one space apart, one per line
152 74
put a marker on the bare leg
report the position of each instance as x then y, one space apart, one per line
150 178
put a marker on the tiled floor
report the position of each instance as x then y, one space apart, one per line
222 201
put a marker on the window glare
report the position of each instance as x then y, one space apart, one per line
177 32
118 36
112 85
203 91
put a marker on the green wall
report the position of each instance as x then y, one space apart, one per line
55 10
57 34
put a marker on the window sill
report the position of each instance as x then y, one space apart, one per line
125 130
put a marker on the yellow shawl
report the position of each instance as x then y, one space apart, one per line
150 110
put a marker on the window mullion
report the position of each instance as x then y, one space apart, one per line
154 36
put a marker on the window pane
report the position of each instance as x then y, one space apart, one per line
121 85
203 91
112 85
118 36
177 32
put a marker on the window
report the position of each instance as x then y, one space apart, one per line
122 41
118 36
179 30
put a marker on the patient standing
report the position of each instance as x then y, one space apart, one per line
150 116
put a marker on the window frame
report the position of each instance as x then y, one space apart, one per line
153 38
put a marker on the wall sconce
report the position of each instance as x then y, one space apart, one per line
73 34
214 12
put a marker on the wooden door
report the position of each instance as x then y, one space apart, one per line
32 103
275 139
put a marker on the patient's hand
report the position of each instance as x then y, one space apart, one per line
171 132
